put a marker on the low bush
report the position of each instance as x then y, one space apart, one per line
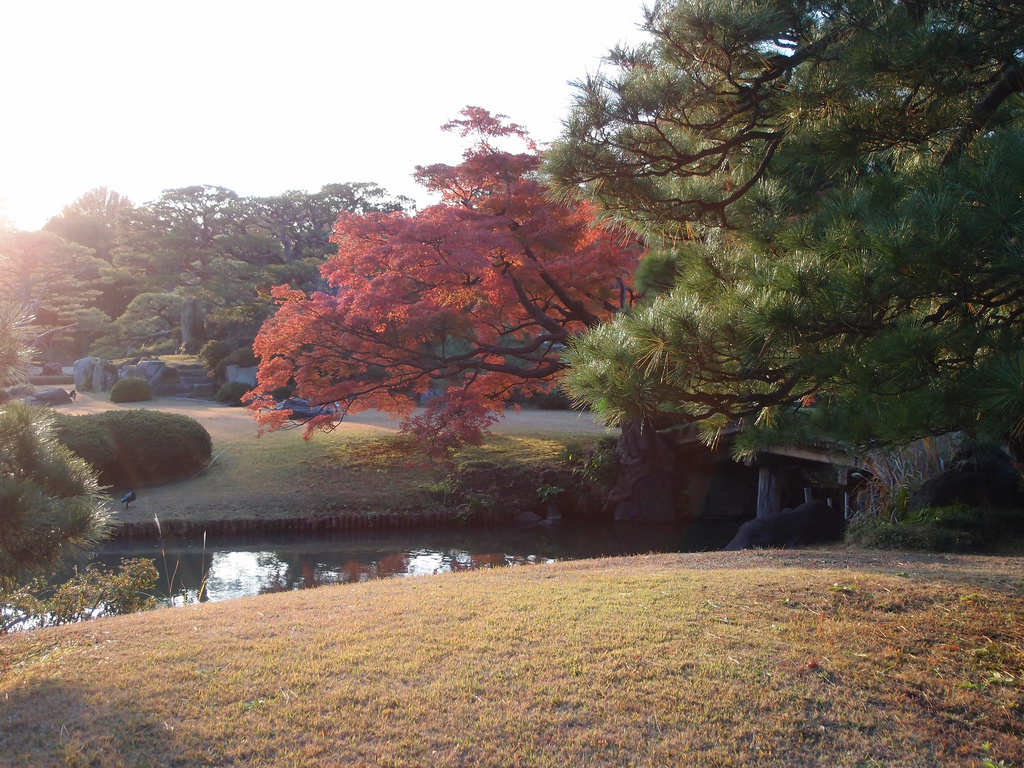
214 351
952 528
137 449
555 400
95 592
133 389
283 393
232 393
52 381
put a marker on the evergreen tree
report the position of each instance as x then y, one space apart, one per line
837 189
50 504
58 283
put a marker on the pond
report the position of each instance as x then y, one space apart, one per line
194 570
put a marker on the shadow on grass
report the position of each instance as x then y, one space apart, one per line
58 723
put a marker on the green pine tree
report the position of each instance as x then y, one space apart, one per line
839 189
51 508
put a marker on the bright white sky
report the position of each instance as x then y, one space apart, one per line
263 97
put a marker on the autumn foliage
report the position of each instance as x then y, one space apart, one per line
473 297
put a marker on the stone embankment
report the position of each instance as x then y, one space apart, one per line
150 529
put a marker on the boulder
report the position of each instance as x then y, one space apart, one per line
98 379
985 480
652 500
168 383
55 396
107 375
83 373
243 374
528 517
150 370
812 523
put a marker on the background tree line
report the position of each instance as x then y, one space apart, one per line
110 278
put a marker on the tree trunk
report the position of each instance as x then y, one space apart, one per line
644 491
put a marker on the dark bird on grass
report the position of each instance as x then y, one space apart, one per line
128 499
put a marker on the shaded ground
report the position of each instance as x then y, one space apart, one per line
280 475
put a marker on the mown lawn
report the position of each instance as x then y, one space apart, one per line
359 469
810 658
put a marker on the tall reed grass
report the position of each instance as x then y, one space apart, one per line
894 475
170 576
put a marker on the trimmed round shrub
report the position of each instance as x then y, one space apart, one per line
138 449
90 438
232 393
133 389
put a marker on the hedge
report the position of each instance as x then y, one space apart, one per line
137 448
52 380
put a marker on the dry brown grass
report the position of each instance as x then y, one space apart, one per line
280 475
797 658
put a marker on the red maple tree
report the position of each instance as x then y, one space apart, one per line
473 297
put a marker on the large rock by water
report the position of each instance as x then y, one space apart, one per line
814 522
987 480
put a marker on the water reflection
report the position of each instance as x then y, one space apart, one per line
193 571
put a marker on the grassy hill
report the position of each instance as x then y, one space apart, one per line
759 659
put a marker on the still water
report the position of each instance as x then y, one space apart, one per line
194 570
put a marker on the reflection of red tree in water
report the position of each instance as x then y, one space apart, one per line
479 561
393 565
352 571
309 577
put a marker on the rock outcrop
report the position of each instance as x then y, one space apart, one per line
814 522
987 480
54 396
94 374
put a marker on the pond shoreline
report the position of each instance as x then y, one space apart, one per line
320 524
219 566
143 530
